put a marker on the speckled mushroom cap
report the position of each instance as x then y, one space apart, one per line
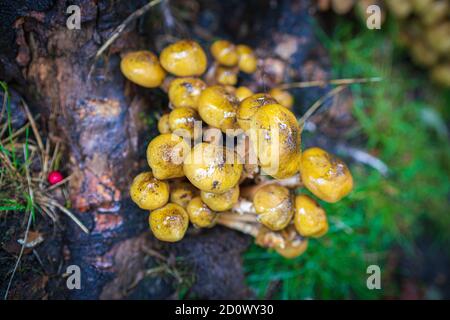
148 192
185 92
273 205
325 175
221 201
169 223
184 58
200 214
248 107
207 168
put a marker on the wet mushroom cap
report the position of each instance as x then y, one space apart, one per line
248 107
163 124
169 223
243 92
247 59
200 214
184 58
165 155
225 53
207 168
183 118
217 108
142 68
181 193
226 76
148 192
223 201
325 175
185 92
273 205
310 219
283 97
293 249
275 137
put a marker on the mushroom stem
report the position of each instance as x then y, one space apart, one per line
247 228
243 206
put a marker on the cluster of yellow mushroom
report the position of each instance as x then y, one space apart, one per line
196 178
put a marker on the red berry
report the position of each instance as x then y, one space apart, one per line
54 177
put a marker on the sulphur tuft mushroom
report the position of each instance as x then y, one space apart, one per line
226 76
165 155
243 92
148 192
200 214
326 176
163 124
225 53
185 92
142 68
221 201
273 205
310 219
184 58
248 107
283 97
212 168
169 223
183 119
247 59
182 192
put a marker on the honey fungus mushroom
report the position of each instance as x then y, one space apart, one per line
247 59
184 58
148 192
200 214
275 137
183 119
207 168
182 192
283 97
225 53
169 223
143 68
217 108
243 92
226 76
287 242
221 201
326 176
248 107
310 219
165 155
273 205
185 92
163 124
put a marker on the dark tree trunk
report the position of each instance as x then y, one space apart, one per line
99 118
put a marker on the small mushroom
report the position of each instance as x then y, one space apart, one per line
169 223
221 201
181 193
287 242
248 107
283 97
183 118
217 108
247 59
185 92
310 219
200 214
226 76
207 168
225 53
148 192
165 155
273 205
163 124
326 176
142 68
243 92
275 137
184 58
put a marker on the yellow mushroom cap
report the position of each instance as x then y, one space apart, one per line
165 155
275 137
207 168
169 223
181 193
248 107
273 205
293 249
310 219
148 192
247 59
183 119
286 242
283 97
184 58
326 176
223 201
225 53
226 76
243 92
185 92
217 108
142 68
200 214
163 124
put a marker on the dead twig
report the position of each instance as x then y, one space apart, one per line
323 83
